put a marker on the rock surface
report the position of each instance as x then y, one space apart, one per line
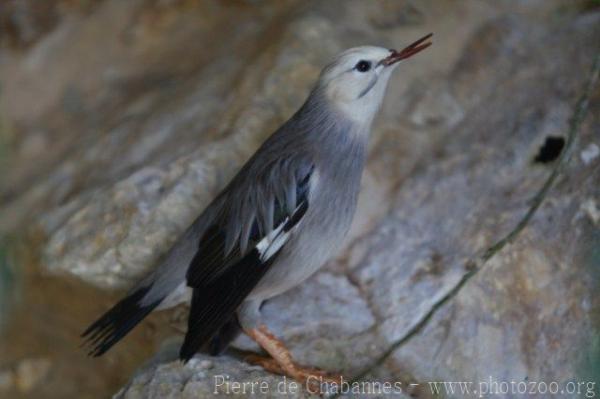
222 377
154 120
205 377
26 375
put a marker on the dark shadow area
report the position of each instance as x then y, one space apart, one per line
551 150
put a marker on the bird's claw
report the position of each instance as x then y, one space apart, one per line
312 378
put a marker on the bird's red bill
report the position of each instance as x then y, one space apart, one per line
408 51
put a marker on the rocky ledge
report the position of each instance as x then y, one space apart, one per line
469 133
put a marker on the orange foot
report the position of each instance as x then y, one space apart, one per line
281 362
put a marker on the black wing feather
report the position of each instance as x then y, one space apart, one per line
212 306
216 297
211 258
226 334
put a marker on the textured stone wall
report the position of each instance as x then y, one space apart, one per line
125 118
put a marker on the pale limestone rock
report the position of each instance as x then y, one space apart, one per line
144 141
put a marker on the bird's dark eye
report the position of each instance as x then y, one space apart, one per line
363 66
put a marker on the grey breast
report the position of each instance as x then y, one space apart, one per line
338 148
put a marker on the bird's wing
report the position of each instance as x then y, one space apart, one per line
260 209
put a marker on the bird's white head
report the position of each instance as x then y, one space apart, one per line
356 80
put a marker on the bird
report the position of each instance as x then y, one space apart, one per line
280 218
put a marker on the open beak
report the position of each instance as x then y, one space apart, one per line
408 51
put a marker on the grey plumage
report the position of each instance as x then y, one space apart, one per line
278 220
315 137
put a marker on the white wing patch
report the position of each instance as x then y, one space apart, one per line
272 243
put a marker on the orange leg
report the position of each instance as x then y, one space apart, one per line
281 361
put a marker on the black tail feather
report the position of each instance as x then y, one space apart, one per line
117 322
